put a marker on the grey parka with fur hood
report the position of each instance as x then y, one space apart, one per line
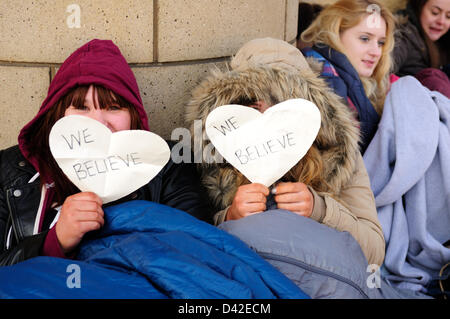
351 208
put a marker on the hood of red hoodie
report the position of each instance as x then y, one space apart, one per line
97 62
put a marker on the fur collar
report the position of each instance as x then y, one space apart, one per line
337 139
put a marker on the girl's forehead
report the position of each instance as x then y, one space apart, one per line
90 94
93 95
373 24
441 4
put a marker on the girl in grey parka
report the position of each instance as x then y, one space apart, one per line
330 180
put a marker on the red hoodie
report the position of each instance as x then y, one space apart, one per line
97 62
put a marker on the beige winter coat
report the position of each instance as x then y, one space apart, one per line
352 208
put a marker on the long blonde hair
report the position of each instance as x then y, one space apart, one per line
345 14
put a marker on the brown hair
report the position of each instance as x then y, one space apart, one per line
38 136
345 14
417 6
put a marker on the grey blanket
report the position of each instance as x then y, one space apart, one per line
408 162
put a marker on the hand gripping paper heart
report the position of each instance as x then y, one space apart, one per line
112 165
264 146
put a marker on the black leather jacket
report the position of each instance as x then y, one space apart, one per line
177 185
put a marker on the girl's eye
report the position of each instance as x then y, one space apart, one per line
381 43
364 39
114 107
81 108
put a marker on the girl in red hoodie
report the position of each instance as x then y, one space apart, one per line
95 81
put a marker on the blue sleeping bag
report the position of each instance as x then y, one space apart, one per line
149 250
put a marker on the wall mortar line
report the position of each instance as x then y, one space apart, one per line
139 64
155 30
285 19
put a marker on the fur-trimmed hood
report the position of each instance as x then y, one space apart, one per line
337 139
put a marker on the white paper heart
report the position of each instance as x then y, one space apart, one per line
264 146
112 165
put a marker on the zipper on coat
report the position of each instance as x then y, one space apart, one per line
7 238
313 269
14 226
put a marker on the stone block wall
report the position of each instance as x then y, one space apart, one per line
393 5
169 44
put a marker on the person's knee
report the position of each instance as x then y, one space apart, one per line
435 80
321 260
285 233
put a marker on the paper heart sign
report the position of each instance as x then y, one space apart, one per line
112 165
264 146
